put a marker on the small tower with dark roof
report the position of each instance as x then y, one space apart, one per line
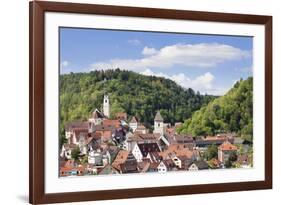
158 123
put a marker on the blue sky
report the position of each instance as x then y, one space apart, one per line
207 63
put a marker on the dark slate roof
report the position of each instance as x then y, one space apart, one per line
183 138
168 163
131 157
145 148
201 164
97 114
130 165
158 117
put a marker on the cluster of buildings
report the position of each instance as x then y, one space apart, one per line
118 145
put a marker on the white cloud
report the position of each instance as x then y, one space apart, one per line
64 67
189 55
134 42
64 63
203 83
149 51
206 55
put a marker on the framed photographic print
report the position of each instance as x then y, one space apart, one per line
139 102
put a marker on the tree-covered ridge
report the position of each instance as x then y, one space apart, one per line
232 112
130 92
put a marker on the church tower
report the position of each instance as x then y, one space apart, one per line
158 124
106 107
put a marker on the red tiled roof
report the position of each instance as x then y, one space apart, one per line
227 146
121 115
120 159
76 125
115 123
178 150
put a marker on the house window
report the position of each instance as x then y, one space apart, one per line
105 101
158 124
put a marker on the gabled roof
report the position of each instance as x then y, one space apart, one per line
143 166
130 165
120 158
76 125
121 115
141 127
177 150
227 146
146 148
103 128
114 123
97 114
168 163
201 164
139 137
158 117
134 120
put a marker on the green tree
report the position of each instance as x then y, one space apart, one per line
75 154
62 140
130 92
211 152
232 112
232 157
228 164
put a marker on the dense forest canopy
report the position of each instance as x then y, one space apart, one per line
130 92
232 112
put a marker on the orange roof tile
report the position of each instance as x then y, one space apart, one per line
227 146
120 159
115 123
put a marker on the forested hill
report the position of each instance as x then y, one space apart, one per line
232 112
130 92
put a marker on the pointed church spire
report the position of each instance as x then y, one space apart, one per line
158 117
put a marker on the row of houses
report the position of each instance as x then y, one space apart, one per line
118 146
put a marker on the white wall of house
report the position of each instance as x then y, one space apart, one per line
220 156
133 126
193 167
65 153
162 168
94 157
137 153
177 161
158 127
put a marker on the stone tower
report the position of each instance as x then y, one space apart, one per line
106 106
158 124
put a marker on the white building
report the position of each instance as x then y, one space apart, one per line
106 106
133 124
158 124
137 153
142 150
162 167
